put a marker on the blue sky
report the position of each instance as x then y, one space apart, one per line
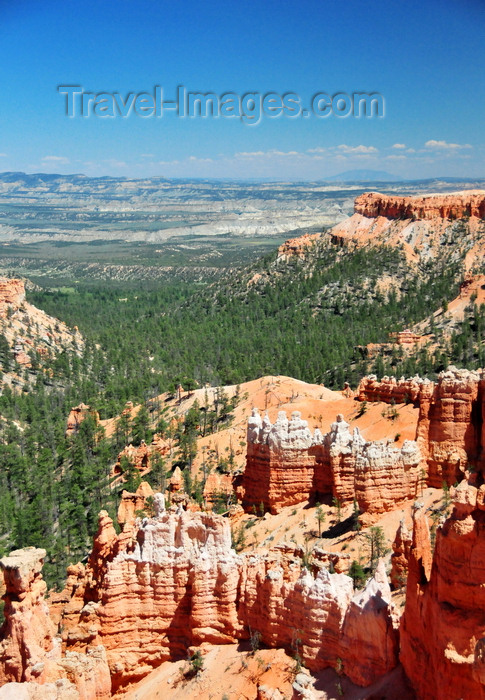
426 58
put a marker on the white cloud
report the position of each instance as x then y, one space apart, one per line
357 150
399 145
55 159
319 149
200 160
393 157
443 145
250 154
285 153
3 155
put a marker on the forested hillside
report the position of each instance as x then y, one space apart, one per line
305 318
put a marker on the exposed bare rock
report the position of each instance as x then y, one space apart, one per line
31 333
449 425
28 632
173 581
218 486
401 548
391 390
176 480
60 690
167 585
418 224
131 503
443 623
30 653
76 416
297 247
450 431
287 464
369 633
319 617
12 294
445 206
386 476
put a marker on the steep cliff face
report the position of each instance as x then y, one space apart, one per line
449 206
418 224
443 627
450 423
318 616
287 464
172 582
153 591
450 430
391 390
401 549
279 469
28 632
30 651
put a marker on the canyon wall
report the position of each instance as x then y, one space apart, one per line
30 650
449 206
172 582
443 626
450 431
287 464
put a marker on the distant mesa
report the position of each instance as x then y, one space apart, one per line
364 176
450 206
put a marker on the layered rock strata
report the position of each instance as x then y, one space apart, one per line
173 581
450 429
443 626
30 650
449 206
12 294
418 225
287 464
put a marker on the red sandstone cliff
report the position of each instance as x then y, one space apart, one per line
444 206
287 464
451 417
30 650
443 627
417 224
173 581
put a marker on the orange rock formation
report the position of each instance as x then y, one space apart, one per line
132 503
443 628
30 651
287 464
446 206
12 293
417 224
76 416
449 431
172 582
297 246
